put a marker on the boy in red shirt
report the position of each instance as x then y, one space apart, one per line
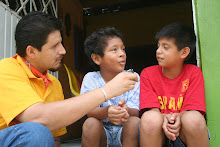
172 97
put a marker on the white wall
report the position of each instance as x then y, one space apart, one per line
8 21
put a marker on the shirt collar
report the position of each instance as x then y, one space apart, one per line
34 73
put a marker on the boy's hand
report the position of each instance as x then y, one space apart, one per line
168 134
120 84
123 105
125 118
172 125
116 113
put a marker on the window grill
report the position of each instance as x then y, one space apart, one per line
11 12
22 7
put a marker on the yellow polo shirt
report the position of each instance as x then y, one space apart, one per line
19 89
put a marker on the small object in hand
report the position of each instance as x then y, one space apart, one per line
130 70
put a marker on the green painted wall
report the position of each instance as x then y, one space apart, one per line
208 27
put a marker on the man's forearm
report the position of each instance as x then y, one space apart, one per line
59 114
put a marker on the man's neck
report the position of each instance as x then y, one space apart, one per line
33 64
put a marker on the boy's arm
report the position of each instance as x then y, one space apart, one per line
99 113
194 98
131 111
57 141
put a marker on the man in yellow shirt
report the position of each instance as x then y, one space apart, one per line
31 100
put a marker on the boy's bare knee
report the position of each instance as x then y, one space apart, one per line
151 122
133 120
193 122
131 126
91 124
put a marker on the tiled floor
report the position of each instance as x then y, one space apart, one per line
71 143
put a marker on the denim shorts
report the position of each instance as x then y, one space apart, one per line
113 133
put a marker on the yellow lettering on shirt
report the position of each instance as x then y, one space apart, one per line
172 103
165 102
180 102
161 102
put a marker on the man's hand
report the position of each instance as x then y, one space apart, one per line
172 125
120 84
116 114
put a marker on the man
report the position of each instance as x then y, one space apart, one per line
31 100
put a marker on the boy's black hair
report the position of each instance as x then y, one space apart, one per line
33 29
98 41
182 34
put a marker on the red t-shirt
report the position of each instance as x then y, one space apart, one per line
185 92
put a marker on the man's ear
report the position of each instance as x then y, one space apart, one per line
31 51
96 58
185 52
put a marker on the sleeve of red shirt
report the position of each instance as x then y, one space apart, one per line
148 98
195 95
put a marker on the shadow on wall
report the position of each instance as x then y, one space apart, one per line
140 57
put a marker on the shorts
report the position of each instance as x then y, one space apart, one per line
113 133
178 142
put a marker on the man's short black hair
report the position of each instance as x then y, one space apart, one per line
98 41
182 34
33 29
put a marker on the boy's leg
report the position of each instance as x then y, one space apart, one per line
151 134
194 131
93 133
130 132
27 135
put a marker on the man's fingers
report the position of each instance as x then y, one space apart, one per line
132 76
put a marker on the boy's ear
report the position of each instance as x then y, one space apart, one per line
31 51
96 58
185 52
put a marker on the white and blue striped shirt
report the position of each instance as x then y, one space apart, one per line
93 80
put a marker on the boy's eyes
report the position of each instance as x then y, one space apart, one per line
114 49
165 47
